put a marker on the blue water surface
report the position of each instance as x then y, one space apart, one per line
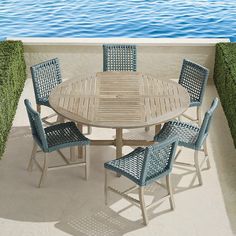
118 18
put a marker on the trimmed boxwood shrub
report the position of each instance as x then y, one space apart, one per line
225 81
12 79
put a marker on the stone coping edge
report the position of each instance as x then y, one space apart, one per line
137 41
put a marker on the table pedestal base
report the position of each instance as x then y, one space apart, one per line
119 142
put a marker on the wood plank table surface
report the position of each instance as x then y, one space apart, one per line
119 100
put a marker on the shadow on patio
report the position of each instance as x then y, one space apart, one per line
69 205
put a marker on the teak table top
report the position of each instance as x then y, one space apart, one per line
119 100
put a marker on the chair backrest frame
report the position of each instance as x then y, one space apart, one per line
193 77
119 57
204 129
36 126
45 76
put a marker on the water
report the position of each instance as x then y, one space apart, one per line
118 18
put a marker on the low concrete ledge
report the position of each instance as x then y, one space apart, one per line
138 41
161 57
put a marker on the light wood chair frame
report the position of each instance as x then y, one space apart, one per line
197 165
141 190
67 163
199 145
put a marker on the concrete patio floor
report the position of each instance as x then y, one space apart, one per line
69 205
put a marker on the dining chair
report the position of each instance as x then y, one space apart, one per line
54 138
193 77
143 166
119 57
46 76
190 136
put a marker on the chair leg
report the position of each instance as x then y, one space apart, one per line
169 188
72 153
87 161
199 117
142 205
38 108
206 155
178 153
147 128
157 128
33 153
60 119
89 129
106 186
44 172
196 161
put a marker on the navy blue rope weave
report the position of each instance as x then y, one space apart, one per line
36 126
45 76
56 136
159 162
129 165
193 78
119 57
187 133
64 135
143 166
190 135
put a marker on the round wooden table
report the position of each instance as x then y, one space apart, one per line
119 100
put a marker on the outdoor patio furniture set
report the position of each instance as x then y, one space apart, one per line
143 166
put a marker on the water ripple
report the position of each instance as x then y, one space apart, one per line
123 18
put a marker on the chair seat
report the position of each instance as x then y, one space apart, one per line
64 135
187 133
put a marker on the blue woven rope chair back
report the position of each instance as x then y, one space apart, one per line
46 76
193 78
204 129
119 57
158 160
36 126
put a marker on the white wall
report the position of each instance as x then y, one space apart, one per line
161 57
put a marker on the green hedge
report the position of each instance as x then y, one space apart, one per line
225 81
12 78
